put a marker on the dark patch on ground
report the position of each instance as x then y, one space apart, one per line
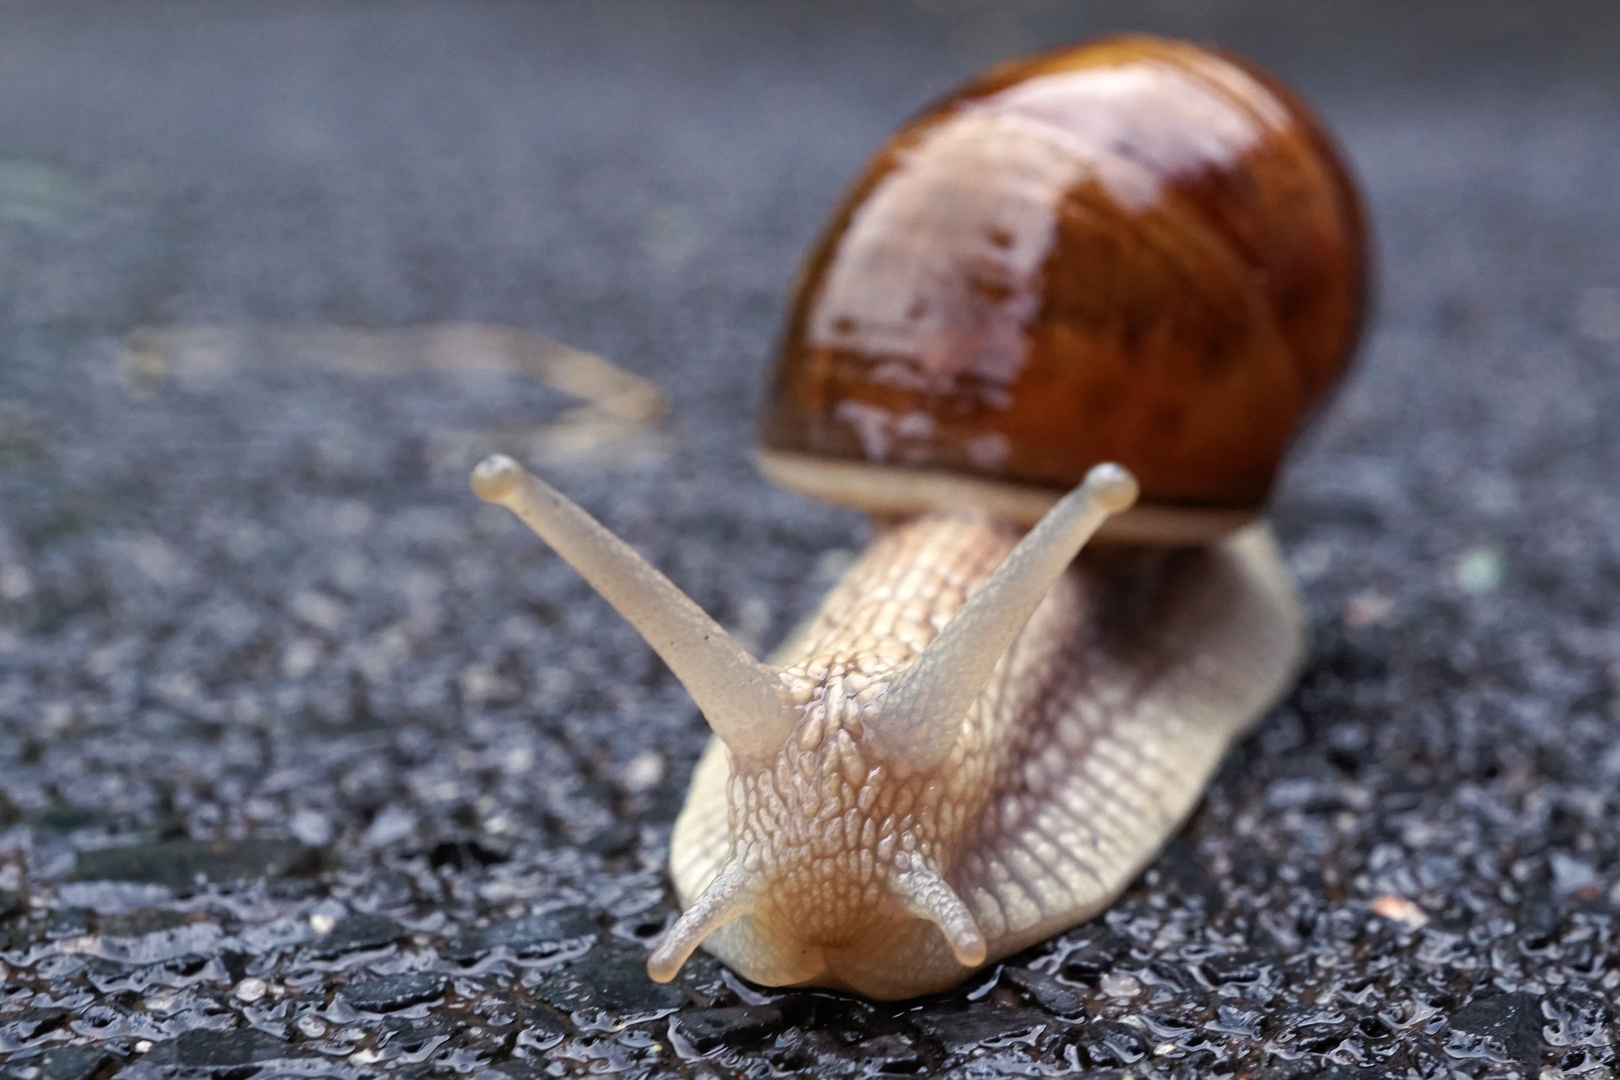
186 865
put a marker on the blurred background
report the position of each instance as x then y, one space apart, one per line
247 600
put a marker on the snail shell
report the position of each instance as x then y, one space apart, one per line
1136 250
1133 251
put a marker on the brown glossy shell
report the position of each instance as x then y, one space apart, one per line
1136 250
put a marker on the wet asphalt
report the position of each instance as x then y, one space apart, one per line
310 764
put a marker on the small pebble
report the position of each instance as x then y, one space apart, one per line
312 1026
1400 910
644 772
1367 609
312 827
1479 569
1120 986
250 989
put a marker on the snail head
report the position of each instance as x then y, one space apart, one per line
849 777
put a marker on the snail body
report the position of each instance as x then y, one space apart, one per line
1133 251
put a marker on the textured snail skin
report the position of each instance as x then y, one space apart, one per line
1091 743
1136 250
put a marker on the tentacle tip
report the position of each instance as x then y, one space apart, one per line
1112 486
969 946
664 964
496 478
970 954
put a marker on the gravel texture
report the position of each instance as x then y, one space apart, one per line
310 764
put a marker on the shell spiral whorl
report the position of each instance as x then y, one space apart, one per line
1135 250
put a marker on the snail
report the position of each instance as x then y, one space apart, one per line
1130 267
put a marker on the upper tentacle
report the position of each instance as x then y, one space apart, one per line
923 712
744 700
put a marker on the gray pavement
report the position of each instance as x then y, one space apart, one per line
310 764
